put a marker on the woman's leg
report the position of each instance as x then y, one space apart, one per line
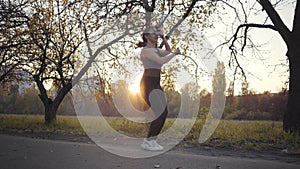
157 125
147 85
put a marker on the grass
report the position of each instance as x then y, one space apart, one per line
36 123
255 135
251 135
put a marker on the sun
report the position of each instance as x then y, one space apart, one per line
134 85
134 89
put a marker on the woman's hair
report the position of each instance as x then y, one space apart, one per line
148 29
143 43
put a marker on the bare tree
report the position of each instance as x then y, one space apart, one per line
291 37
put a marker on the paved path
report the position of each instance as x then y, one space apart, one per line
26 153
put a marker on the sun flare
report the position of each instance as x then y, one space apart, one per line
134 89
134 85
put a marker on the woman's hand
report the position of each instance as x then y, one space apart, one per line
177 51
160 33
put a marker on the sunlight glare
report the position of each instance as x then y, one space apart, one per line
134 85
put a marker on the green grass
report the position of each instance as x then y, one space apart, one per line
250 135
35 123
257 135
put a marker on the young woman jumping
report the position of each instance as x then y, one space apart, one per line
153 58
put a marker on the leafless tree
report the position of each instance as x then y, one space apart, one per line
240 40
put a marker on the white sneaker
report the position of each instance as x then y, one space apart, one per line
156 144
151 145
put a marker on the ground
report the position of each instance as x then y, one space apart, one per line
39 143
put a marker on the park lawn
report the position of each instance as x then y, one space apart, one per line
250 135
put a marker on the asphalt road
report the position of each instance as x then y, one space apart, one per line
27 153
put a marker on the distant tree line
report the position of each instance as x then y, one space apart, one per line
247 106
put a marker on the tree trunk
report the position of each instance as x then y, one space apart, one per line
291 119
51 106
50 111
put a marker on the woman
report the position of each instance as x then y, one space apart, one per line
153 59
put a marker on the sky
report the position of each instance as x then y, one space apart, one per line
262 74
260 70
259 66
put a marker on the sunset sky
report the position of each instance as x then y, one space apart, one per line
266 68
262 73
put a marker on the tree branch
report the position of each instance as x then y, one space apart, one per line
275 18
93 56
149 9
296 24
181 20
235 10
7 72
235 37
247 26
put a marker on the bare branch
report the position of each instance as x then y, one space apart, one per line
275 18
93 56
235 37
196 69
244 11
234 8
296 24
181 20
247 26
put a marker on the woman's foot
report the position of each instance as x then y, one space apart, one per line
151 145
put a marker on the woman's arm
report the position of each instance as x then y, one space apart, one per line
163 52
165 40
152 55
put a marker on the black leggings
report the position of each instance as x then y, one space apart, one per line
149 83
